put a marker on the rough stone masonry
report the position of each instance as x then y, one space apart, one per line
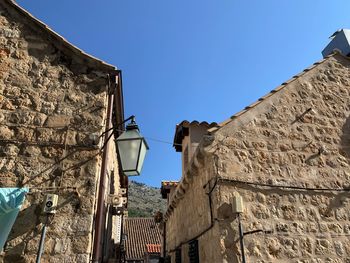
52 109
296 136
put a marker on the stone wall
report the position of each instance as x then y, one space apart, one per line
191 216
52 110
298 136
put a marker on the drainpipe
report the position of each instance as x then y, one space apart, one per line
241 236
42 240
99 220
164 239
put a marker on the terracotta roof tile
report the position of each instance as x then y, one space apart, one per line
153 248
182 130
186 123
166 186
169 183
140 233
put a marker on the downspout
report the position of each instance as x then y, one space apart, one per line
212 219
164 240
99 222
121 240
42 240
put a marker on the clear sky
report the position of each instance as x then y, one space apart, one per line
194 59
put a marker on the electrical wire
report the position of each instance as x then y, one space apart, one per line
59 161
176 144
298 118
47 144
247 148
35 189
93 147
222 179
150 138
160 141
211 215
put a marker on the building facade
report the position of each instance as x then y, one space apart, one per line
287 156
55 104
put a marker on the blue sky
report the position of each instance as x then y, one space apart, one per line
194 60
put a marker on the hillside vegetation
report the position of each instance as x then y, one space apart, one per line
144 200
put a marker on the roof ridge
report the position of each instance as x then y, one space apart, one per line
53 33
271 93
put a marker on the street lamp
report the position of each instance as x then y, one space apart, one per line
132 148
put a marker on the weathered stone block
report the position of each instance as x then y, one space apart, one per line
57 121
323 247
81 244
5 133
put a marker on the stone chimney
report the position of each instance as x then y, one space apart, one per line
168 189
340 41
187 138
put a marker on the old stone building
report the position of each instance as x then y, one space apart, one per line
55 104
287 156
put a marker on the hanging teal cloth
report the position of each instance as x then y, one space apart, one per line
11 200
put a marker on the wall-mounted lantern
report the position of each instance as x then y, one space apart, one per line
132 148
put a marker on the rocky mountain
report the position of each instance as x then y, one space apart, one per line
144 200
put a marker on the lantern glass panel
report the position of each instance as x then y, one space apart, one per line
129 153
132 150
143 151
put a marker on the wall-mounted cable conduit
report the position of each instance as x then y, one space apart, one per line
212 220
235 181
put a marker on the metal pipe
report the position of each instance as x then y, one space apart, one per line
212 220
42 241
119 101
121 238
241 235
164 239
99 222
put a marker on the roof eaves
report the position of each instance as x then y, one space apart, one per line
183 184
181 131
60 38
272 92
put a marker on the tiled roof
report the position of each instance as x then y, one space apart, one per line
166 186
61 41
153 248
140 233
169 183
182 130
187 123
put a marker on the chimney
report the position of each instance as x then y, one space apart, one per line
187 138
340 41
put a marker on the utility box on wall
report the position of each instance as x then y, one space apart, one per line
237 204
50 205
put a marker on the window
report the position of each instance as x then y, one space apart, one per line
178 255
193 251
167 259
